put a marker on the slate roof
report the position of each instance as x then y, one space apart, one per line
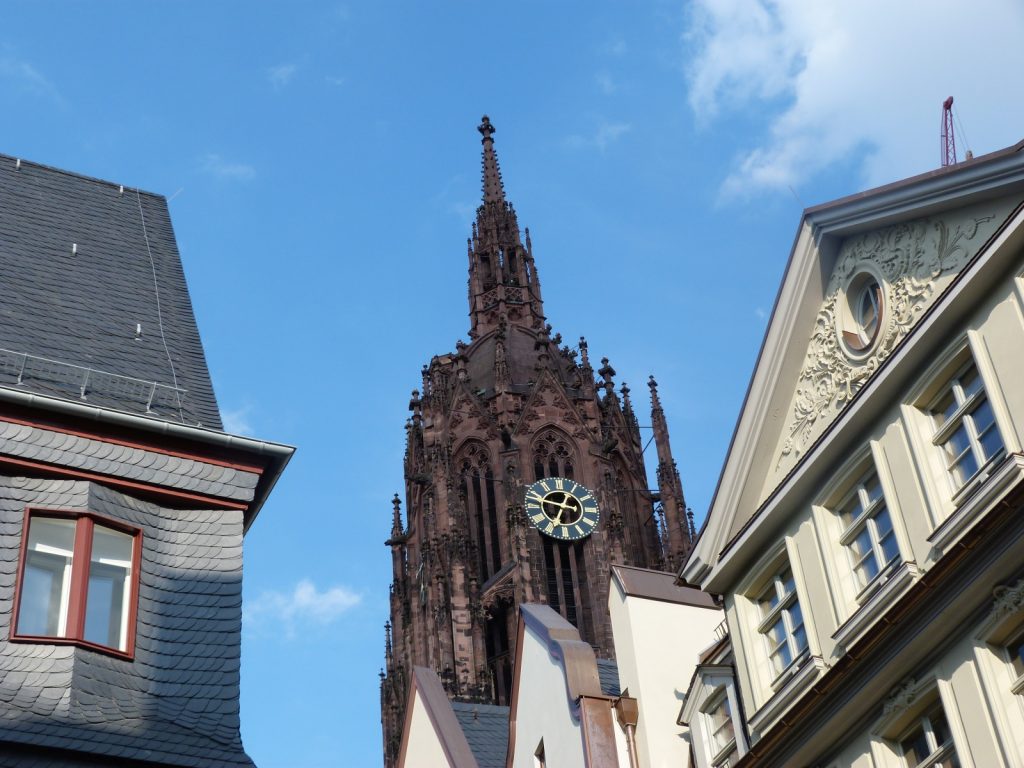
85 263
486 729
608 671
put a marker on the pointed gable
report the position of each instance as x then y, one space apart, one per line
549 403
913 238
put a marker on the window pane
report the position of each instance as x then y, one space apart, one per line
970 382
47 577
945 408
796 619
1016 648
958 442
106 608
915 747
873 488
788 584
964 469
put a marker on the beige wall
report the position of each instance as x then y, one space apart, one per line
544 711
657 645
424 749
983 323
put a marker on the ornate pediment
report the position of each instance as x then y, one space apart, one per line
882 284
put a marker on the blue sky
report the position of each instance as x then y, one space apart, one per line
323 168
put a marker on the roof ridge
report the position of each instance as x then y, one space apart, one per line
82 176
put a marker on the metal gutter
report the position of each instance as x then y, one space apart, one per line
278 453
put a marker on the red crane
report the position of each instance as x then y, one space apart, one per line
948 140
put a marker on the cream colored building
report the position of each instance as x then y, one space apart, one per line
867 534
568 707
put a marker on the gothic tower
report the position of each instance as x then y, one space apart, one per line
513 407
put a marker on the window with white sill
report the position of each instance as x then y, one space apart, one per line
720 728
965 426
782 621
928 742
867 536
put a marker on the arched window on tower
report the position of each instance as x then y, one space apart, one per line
476 486
487 270
553 455
565 568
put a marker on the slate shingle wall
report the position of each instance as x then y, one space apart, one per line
122 461
177 701
83 308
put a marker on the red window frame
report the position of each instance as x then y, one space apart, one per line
79 587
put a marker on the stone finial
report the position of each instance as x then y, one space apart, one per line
396 521
655 400
493 190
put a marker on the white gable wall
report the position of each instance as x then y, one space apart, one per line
544 710
657 646
425 750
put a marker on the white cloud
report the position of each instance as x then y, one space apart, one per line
605 83
617 48
604 134
238 421
216 165
281 75
304 605
830 79
26 77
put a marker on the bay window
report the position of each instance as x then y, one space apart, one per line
78 581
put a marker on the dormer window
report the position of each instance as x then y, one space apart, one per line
77 581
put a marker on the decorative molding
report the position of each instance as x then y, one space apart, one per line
1008 599
909 257
901 697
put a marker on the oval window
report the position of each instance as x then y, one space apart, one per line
863 316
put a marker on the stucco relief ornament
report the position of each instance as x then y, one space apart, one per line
908 257
901 697
1008 599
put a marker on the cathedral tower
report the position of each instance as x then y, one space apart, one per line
524 482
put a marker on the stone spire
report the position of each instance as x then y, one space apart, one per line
670 488
503 280
396 518
494 192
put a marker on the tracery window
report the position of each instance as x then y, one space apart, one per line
552 455
476 485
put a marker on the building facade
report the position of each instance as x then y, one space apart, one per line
123 503
524 482
867 536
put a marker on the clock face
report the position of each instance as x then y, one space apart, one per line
561 508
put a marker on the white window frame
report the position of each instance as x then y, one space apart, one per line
908 708
929 458
867 520
782 611
925 723
720 697
963 415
